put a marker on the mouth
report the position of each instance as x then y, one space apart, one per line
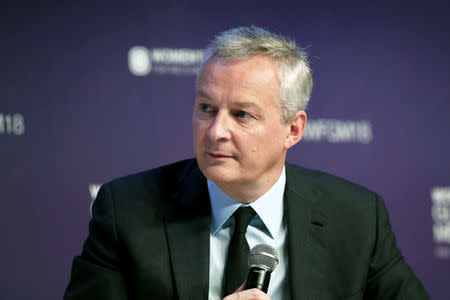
218 155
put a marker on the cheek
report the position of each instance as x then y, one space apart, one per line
197 136
199 128
269 142
253 145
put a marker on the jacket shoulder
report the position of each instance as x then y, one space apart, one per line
323 182
152 187
157 177
335 196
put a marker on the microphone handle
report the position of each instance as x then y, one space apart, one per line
258 278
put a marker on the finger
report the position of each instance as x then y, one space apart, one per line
253 294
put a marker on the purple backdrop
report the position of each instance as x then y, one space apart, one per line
73 115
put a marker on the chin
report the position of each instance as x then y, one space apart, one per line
218 174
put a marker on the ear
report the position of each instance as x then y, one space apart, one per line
296 128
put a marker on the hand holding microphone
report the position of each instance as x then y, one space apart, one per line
262 260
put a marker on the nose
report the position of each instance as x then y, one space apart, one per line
219 129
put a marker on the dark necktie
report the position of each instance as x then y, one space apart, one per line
236 268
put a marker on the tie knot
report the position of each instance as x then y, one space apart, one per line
242 217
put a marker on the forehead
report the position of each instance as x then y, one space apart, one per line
255 75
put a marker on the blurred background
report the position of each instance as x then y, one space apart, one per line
91 91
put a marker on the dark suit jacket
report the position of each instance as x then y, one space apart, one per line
149 239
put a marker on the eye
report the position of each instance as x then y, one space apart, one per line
206 107
242 114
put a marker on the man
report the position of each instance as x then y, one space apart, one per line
169 233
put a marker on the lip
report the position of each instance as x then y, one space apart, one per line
218 155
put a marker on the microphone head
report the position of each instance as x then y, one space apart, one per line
263 256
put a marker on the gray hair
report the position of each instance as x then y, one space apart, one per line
294 72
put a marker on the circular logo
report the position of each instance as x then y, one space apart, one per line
139 61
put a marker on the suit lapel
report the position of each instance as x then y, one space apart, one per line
187 227
306 224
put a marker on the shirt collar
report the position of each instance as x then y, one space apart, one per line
269 207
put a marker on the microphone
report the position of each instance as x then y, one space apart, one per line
262 260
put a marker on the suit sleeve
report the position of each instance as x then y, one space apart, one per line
389 276
96 274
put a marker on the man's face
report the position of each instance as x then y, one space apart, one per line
239 137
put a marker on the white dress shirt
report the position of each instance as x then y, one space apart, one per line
268 227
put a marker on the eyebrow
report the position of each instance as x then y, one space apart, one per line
246 104
202 94
238 103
